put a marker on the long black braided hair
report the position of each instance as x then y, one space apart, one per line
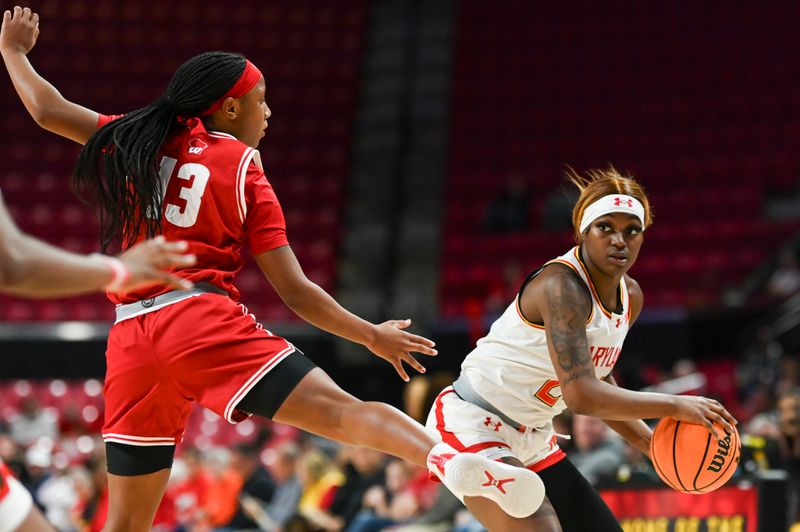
117 169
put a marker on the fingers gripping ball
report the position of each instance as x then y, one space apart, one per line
689 459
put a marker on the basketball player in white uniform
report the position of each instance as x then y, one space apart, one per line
554 348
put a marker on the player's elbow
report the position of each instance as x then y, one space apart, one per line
12 265
579 397
298 295
48 111
42 116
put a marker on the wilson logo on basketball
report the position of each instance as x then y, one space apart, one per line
723 450
619 202
196 146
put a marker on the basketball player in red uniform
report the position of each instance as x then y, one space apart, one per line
31 268
34 269
185 166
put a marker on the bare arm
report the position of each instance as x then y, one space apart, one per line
318 308
32 268
636 432
564 303
45 104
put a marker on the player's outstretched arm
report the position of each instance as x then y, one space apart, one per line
32 268
564 307
45 104
387 340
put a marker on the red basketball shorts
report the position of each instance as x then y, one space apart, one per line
207 349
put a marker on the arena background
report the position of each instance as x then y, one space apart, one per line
419 147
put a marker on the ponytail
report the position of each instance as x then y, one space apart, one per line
118 170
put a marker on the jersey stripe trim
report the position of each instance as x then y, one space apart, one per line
253 380
221 135
519 313
546 462
241 173
603 309
141 441
542 327
451 439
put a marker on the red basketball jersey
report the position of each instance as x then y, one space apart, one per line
218 199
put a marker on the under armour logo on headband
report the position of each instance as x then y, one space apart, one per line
619 202
610 204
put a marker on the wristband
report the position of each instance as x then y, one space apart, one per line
121 273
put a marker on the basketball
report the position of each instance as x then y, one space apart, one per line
689 459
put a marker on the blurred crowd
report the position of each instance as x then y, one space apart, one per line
292 481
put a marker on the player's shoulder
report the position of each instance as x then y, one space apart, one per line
635 296
634 289
559 282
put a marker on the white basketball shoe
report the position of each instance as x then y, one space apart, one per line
519 492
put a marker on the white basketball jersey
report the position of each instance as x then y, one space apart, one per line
511 367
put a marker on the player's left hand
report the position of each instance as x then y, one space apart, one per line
394 345
20 30
148 261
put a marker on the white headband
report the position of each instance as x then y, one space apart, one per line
609 204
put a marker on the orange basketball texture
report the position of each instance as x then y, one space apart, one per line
689 459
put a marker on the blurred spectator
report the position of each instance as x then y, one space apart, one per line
510 210
758 374
597 456
190 489
223 489
505 288
320 479
273 516
38 460
421 392
59 495
91 512
12 455
257 483
32 423
406 493
760 449
789 426
785 280
636 467
557 209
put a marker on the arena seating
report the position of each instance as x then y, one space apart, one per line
76 407
540 86
113 59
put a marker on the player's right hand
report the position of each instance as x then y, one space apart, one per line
704 411
394 345
20 30
147 261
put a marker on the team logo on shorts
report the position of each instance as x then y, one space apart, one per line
196 146
490 422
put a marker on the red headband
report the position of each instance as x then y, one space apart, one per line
243 85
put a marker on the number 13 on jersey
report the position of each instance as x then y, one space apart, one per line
193 179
